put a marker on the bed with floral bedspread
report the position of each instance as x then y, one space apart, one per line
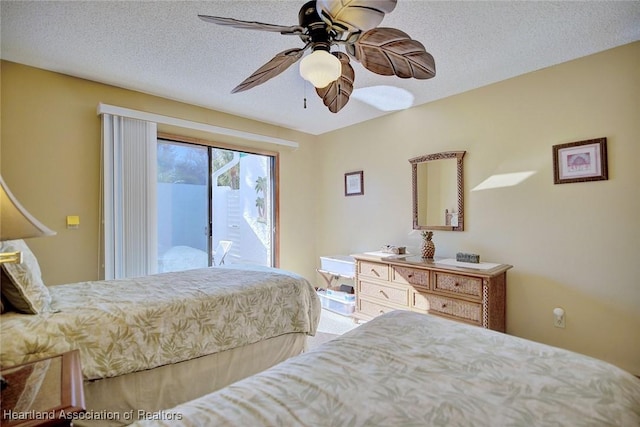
130 325
410 369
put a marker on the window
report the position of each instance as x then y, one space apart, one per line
231 179
214 206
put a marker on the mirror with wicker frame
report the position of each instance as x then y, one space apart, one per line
437 188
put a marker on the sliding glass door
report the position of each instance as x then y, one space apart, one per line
215 206
183 206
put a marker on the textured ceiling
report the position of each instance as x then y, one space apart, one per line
162 48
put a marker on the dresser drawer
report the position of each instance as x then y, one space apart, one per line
435 304
373 309
419 301
373 269
410 276
385 293
464 285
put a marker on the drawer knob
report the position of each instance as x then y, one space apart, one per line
444 305
381 311
456 284
383 293
374 272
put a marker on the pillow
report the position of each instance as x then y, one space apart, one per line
22 286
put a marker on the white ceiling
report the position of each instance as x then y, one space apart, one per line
162 48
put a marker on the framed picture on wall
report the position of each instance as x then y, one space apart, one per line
354 183
580 161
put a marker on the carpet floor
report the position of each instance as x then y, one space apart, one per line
331 325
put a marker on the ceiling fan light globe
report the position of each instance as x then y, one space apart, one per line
320 68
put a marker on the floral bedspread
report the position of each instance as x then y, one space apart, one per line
123 326
411 369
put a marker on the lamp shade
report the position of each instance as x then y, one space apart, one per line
15 221
320 68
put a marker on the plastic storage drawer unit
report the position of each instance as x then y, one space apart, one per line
337 305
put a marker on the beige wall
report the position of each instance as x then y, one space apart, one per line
572 245
50 158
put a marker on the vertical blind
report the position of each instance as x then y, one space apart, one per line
129 214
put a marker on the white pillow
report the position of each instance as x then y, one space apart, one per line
24 288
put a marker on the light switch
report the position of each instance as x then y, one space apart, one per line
73 221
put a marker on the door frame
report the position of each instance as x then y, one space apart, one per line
275 233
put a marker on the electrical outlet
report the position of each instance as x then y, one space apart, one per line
559 322
558 317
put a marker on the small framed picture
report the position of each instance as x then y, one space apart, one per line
354 183
580 161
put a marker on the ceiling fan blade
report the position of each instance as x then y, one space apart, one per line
337 93
389 51
252 25
354 15
275 66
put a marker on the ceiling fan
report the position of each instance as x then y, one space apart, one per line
352 24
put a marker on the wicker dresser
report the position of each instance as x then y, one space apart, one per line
475 296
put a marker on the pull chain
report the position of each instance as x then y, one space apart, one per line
305 94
